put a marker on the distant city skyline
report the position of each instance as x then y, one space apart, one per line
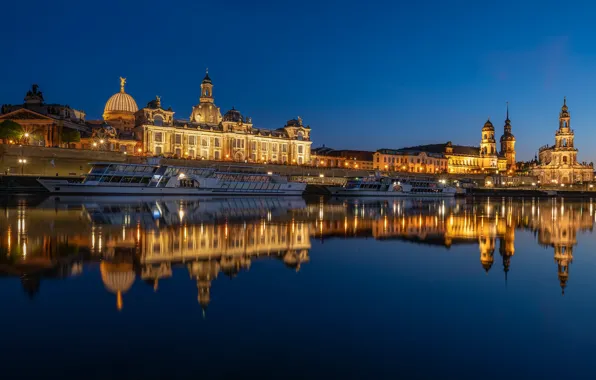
370 76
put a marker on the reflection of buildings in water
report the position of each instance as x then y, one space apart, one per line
117 278
555 223
210 249
557 227
211 237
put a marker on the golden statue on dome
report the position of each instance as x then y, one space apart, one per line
122 83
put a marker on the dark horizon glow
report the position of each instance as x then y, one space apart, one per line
362 75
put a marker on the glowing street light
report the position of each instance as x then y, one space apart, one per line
101 141
94 144
22 161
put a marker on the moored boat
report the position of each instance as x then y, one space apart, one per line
147 179
377 186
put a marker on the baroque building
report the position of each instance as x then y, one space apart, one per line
209 135
558 163
153 130
450 158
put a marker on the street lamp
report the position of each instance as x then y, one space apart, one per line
101 141
22 161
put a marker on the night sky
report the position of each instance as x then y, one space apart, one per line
364 75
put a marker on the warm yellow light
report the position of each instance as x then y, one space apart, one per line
125 152
181 175
94 144
101 141
356 166
321 175
269 173
139 150
227 156
11 141
26 135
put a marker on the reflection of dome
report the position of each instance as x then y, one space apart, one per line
233 115
117 278
487 264
488 126
120 104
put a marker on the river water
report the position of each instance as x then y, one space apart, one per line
280 288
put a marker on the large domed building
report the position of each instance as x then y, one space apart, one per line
120 109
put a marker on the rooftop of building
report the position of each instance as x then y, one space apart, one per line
360 155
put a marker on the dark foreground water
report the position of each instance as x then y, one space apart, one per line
285 288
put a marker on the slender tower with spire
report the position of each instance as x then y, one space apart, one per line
508 143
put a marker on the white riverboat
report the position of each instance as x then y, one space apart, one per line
377 186
146 179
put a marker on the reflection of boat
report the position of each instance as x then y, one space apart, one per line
133 179
377 186
177 210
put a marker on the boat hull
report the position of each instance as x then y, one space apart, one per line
64 187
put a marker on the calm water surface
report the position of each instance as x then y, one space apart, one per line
209 288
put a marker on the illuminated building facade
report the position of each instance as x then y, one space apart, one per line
456 159
209 135
43 123
558 164
410 161
343 158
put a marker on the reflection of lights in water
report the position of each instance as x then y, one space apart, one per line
123 232
92 237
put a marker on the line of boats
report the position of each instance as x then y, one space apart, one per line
155 179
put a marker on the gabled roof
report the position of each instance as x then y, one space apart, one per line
25 114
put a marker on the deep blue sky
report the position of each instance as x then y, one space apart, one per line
364 75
